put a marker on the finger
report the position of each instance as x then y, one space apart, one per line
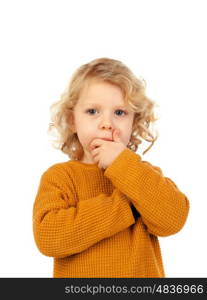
96 143
95 151
96 159
116 136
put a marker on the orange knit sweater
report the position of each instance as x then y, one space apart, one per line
105 223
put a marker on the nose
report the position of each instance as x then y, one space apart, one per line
106 124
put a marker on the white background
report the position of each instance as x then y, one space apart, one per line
42 43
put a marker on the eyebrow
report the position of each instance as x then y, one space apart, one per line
97 104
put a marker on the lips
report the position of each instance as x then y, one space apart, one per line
106 139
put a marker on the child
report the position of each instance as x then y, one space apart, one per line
100 213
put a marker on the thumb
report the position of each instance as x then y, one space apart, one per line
116 134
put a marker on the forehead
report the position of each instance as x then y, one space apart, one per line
96 92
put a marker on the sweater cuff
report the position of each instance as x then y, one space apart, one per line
117 171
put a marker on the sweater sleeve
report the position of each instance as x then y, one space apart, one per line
162 206
63 226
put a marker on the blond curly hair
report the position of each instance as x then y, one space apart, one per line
133 89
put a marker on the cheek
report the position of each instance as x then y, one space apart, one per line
126 137
83 126
85 133
126 132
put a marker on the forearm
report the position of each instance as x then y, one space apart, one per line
162 206
61 229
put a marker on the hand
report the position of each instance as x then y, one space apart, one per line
104 152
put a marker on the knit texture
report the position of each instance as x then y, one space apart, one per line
106 223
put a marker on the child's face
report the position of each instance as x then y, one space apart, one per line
101 109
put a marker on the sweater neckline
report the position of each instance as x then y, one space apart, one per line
86 165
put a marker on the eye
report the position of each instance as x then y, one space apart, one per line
91 111
120 112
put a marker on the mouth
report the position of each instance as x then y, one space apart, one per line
107 139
